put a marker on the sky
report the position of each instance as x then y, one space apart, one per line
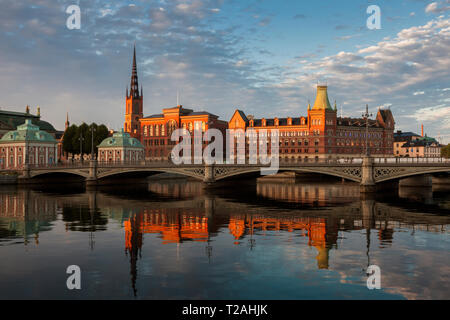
264 57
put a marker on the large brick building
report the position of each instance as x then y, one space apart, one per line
154 131
322 134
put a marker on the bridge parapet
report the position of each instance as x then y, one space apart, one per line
367 171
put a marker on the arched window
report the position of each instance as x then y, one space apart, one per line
203 126
163 130
151 131
171 126
145 131
190 126
157 130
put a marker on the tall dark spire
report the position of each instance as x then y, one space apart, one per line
134 88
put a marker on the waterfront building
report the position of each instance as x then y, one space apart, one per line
9 120
154 131
27 144
321 133
409 144
120 147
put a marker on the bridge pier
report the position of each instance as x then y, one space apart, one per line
25 177
92 179
367 182
209 174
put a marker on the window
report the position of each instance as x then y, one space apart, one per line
163 130
157 130
151 131
171 126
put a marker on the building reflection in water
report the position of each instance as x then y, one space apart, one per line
315 229
198 215
24 214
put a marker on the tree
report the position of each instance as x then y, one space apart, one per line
71 141
68 137
445 151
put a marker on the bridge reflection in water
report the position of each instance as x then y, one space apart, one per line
315 214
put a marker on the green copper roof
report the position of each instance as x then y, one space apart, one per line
322 102
27 132
14 119
120 139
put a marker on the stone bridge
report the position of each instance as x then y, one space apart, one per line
367 171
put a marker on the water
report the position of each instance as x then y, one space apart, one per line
242 240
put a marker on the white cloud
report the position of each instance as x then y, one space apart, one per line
438 7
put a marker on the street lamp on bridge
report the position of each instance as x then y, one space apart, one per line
92 141
81 146
366 117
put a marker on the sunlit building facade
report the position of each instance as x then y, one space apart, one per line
321 133
155 131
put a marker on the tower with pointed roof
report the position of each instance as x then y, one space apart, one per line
322 120
134 103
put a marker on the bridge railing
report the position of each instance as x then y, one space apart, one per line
282 162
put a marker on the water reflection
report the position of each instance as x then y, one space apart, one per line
346 233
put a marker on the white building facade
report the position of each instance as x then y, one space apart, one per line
120 147
28 144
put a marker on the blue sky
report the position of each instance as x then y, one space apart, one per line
264 57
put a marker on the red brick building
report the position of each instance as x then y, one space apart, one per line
154 131
322 134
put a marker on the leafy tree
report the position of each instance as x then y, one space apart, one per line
68 137
445 151
71 142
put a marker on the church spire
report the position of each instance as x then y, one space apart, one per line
134 88
67 121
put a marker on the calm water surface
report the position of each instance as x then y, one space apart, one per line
242 240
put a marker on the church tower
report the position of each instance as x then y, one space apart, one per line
134 104
322 119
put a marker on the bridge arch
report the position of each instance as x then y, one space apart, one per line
319 170
150 171
396 174
39 173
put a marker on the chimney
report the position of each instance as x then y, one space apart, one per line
422 129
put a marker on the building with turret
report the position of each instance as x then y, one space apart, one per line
155 131
322 134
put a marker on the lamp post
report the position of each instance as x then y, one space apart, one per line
366 116
92 141
81 146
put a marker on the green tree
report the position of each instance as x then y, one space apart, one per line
68 137
71 142
445 151
100 134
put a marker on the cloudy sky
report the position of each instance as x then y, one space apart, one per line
264 57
